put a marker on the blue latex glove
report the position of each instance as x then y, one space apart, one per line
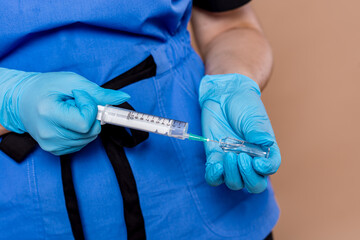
58 109
231 107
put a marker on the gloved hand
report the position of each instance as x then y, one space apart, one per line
58 109
231 107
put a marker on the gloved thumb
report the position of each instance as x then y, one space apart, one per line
249 120
259 136
104 96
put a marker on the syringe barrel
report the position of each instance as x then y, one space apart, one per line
141 121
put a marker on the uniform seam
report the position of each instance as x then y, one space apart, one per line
37 198
175 65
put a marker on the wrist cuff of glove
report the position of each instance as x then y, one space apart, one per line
10 90
217 86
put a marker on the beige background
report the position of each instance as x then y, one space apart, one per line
313 102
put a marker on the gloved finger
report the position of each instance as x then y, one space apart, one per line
79 118
232 175
214 169
71 135
70 101
214 125
268 166
253 182
68 150
105 96
61 146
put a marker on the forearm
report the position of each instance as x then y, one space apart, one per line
233 42
3 130
243 51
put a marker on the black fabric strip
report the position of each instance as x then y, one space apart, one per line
269 237
132 212
219 5
70 198
17 146
143 70
114 139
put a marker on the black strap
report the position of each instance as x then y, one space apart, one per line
219 5
70 198
17 146
114 140
134 219
143 70
269 237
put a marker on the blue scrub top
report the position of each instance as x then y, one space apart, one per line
100 40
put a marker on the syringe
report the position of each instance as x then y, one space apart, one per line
164 126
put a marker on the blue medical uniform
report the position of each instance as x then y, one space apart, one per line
100 40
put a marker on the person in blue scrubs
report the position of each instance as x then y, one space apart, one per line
60 59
